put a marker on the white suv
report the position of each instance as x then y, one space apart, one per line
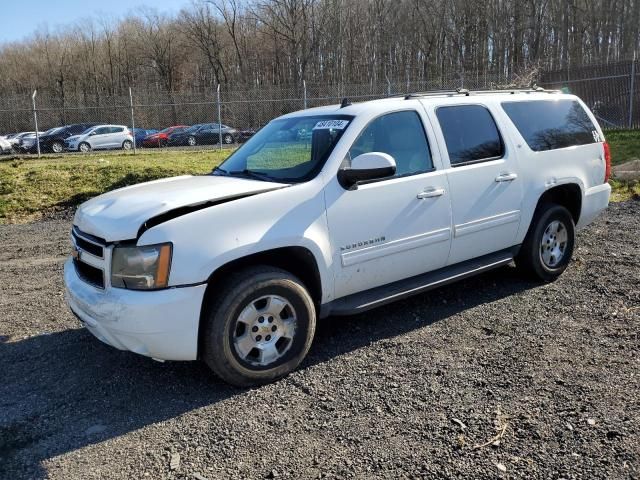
101 137
382 200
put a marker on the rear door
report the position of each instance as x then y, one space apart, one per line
486 191
116 137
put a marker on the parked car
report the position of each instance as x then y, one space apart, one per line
140 134
5 146
101 137
244 135
16 138
53 140
161 138
203 134
390 198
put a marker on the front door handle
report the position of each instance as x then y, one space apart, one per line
430 193
506 177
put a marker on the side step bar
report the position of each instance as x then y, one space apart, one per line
376 297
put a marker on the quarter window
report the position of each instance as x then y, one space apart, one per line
401 135
470 133
551 124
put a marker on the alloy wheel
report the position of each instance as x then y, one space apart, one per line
264 330
553 244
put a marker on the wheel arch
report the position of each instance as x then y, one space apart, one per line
568 195
298 261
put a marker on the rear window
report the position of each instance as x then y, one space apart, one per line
552 124
470 133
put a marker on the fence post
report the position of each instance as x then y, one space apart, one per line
304 93
219 118
35 120
631 90
133 122
388 85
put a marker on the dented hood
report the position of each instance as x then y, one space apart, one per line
120 214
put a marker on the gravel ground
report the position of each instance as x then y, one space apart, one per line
492 377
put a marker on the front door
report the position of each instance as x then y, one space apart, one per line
394 228
486 193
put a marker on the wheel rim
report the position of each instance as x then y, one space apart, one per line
192 141
553 244
56 147
84 147
264 330
228 139
126 145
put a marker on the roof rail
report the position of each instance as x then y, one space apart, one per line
465 92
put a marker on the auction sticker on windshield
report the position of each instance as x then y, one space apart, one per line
333 124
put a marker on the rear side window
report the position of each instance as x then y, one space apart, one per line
401 135
470 133
551 124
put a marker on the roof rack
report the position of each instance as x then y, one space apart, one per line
466 92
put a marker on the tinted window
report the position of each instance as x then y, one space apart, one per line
101 130
401 135
550 124
470 133
117 129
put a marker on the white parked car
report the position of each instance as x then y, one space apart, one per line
5 145
17 139
385 199
101 137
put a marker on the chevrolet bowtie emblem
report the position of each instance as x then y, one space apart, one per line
75 253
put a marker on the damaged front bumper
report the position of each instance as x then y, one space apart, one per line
162 324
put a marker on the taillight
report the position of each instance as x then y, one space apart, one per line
607 162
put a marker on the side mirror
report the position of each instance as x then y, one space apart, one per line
368 166
92 133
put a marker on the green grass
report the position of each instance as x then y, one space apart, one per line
31 187
625 145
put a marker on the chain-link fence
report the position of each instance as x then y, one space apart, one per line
190 120
612 91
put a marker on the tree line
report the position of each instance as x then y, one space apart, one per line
244 44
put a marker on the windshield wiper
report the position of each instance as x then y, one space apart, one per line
253 174
220 170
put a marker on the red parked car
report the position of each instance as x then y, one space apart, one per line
161 138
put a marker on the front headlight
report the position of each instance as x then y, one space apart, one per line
141 268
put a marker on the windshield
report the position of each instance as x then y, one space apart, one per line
290 149
53 130
88 130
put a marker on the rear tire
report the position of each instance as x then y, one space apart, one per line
548 246
227 138
127 145
258 327
191 141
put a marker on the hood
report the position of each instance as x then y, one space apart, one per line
73 137
120 214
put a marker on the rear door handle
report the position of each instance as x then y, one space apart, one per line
506 177
430 193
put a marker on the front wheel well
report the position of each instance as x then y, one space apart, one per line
298 261
568 195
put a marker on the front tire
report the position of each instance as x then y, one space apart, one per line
84 147
548 246
57 147
258 327
191 141
227 138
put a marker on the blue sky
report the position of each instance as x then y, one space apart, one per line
20 18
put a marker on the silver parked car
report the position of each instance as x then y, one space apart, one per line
101 137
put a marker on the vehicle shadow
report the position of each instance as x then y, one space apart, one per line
63 391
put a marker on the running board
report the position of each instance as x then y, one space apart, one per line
376 297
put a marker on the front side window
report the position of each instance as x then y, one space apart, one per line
101 130
470 133
401 135
551 124
290 149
